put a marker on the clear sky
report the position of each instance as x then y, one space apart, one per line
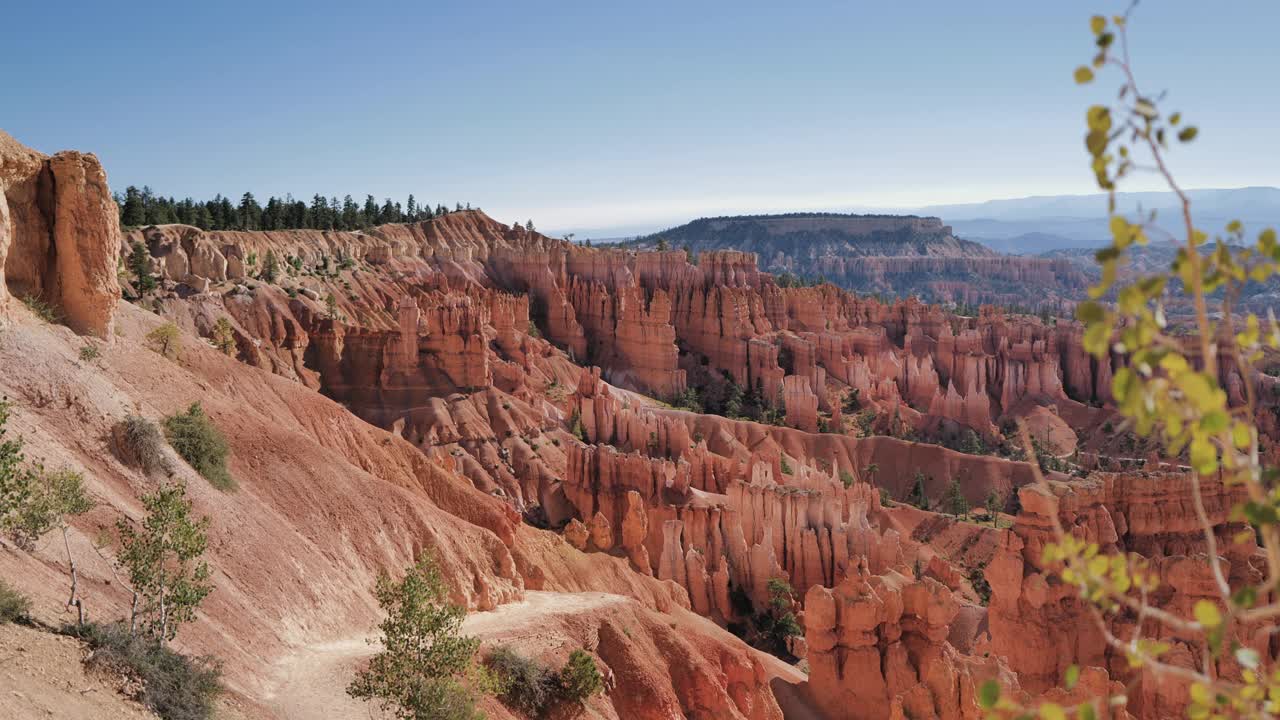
607 114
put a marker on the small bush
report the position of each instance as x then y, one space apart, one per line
42 309
143 444
846 477
89 353
14 606
166 340
580 678
175 686
786 467
526 684
224 337
194 436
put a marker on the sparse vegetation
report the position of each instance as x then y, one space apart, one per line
163 559
918 495
993 505
580 677
14 606
174 686
954 502
886 500
43 309
142 444
978 579
198 441
144 283
224 338
525 684
575 426
166 340
778 623
421 673
34 501
786 466
89 353
846 477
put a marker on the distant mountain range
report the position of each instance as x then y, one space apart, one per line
1037 224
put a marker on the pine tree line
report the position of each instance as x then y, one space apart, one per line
144 207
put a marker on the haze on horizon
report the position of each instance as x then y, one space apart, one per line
589 116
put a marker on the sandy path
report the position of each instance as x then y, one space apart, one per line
311 681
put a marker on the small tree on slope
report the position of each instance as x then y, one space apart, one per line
421 672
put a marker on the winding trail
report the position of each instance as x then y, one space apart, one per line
311 681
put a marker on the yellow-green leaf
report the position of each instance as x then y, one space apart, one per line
1207 614
1097 24
1052 711
1204 458
1083 75
1188 133
1071 678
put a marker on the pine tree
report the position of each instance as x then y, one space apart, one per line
140 265
954 502
270 267
411 208
250 213
133 213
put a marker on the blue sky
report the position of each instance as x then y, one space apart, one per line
608 115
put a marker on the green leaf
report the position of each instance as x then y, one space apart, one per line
1204 458
1214 421
1207 614
1090 312
1086 712
1188 133
989 694
1071 677
1097 24
1083 75
1052 711
1175 118
1099 118
1246 596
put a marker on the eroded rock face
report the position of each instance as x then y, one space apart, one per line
1041 626
59 235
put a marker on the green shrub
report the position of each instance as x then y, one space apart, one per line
142 444
886 500
846 477
42 309
421 674
14 606
166 340
526 684
194 436
786 466
89 353
175 686
580 678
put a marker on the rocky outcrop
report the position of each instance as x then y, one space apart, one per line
1041 626
59 235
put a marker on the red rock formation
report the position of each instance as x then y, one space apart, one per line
1041 626
59 235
